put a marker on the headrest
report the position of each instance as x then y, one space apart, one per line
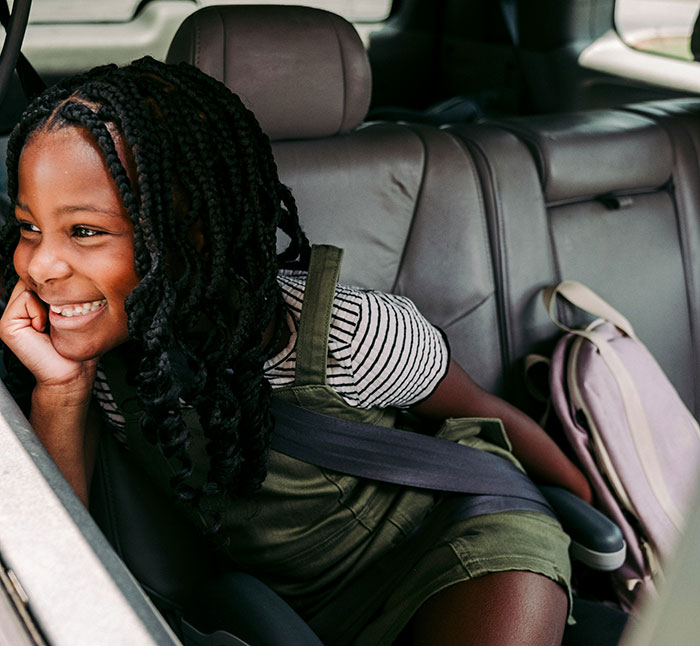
303 72
593 153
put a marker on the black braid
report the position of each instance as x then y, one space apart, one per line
198 162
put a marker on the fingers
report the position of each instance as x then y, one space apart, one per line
25 309
36 311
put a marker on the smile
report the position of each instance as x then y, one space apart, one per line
79 309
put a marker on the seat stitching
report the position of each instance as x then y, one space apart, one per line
341 53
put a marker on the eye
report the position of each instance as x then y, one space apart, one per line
85 232
27 227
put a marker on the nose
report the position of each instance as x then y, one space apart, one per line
47 263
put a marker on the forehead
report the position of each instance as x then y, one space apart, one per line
70 140
68 152
71 146
56 129
63 171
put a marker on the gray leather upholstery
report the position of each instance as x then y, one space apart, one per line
588 154
472 221
608 198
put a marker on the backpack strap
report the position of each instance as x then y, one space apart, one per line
586 299
316 310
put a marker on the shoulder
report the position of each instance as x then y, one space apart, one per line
351 305
382 350
347 302
398 355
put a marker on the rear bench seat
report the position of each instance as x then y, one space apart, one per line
403 201
608 198
472 221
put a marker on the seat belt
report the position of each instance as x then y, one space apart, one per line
375 452
509 11
402 457
32 84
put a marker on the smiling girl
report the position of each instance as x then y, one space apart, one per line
142 267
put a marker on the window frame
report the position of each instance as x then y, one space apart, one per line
78 591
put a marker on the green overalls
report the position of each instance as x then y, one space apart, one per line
310 531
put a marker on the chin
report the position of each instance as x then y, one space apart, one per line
73 350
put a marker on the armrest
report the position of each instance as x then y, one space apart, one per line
595 540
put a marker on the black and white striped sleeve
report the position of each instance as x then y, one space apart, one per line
398 357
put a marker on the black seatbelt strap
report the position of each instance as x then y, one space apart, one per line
31 82
509 10
406 458
375 452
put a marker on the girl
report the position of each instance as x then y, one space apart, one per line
146 297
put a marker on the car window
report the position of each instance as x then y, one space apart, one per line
365 14
357 11
58 11
663 27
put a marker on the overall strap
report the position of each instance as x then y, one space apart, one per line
314 326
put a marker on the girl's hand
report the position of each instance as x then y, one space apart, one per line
61 399
23 328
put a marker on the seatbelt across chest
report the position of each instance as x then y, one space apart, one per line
401 457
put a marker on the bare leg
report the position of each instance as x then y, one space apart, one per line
503 608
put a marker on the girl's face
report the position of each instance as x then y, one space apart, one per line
76 248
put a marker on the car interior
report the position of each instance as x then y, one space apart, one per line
464 159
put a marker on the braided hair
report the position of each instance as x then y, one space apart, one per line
199 168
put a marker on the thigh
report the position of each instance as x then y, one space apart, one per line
502 608
519 541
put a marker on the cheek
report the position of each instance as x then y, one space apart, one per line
20 259
123 283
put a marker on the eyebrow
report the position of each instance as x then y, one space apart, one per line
74 208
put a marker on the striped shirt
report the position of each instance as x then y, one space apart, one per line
381 351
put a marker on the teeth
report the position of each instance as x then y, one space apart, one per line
79 309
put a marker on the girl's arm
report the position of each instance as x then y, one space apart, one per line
62 413
459 396
67 423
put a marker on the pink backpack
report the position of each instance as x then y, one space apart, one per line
635 439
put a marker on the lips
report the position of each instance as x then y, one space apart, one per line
75 316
